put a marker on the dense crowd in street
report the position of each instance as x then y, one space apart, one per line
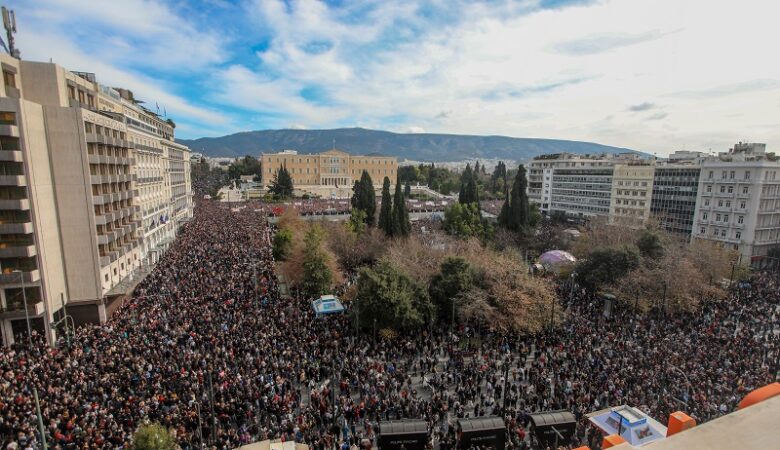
209 348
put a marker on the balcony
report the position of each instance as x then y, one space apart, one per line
11 156
16 228
13 180
34 308
31 276
18 204
21 251
9 130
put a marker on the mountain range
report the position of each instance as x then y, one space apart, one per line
411 146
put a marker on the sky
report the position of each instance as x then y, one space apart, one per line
652 75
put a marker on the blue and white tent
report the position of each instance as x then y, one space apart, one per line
327 304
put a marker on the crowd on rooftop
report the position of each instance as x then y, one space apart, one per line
208 347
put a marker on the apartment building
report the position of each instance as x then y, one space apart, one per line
329 168
577 185
738 200
632 190
72 229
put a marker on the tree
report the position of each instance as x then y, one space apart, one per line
498 178
282 184
357 221
464 221
391 299
282 244
649 245
468 187
364 197
605 265
407 190
317 276
516 213
386 212
153 437
401 225
456 277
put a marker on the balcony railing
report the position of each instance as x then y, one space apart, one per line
17 251
10 277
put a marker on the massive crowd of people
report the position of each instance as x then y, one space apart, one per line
209 348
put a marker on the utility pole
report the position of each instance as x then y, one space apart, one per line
26 313
41 428
211 406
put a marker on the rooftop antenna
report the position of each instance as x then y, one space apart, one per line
9 22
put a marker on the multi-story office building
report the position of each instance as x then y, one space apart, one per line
632 190
329 168
673 205
71 230
577 185
738 200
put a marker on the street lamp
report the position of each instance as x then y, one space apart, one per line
26 313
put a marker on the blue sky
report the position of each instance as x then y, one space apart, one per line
655 75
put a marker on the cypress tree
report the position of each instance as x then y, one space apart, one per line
516 212
386 213
401 225
463 193
364 198
407 190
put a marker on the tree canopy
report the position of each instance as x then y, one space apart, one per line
464 221
282 184
388 296
317 276
154 437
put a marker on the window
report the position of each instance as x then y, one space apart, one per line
702 230
704 216
7 118
742 204
722 233
9 78
711 175
738 235
706 202
731 189
709 188
720 203
747 174
731 175
722 189
717 217
723 174
725 217
740 219
745 189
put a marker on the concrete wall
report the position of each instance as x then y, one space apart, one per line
74 198
41 193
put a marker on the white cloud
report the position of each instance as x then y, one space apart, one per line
625 53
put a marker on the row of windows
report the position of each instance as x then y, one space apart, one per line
727 189
632 193
722 232
628 183
630 202
722 218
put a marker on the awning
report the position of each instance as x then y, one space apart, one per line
633 425
327 304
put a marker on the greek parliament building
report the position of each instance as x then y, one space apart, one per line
732 198
92 190
329 169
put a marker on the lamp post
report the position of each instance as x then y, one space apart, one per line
26 312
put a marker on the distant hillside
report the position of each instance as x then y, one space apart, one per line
418 147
